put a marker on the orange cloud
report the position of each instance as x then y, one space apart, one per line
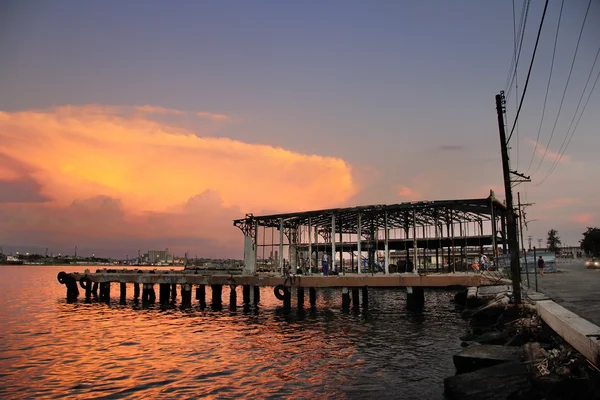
407 193
147 176
158 110
75 154
560 202
585 219
219 117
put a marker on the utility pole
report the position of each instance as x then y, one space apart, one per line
529 239
521 216
540 243
512 235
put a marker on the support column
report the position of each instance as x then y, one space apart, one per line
355 298
300 291
309 247
136 291
216 296
345 298
386 245
358 242
256 295
174 292
287 298
415 244
365 296
163 293
232 297
201 295
95 290
123 293
332 266
415 298
186 295
312 295
249 255
281 246
246 294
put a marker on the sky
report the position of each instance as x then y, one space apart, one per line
150 124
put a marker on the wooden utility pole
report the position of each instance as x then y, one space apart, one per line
513 241
522 242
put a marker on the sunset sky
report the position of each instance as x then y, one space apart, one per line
151 124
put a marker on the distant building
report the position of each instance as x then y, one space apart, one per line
159 256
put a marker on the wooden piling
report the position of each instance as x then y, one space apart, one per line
355 298
216 296
146 293
163 293
415 298
233 297
300 291
152 293
123 293
95 289
136 291
201 295
345 298
246 294
287 298
186 295
256 295
312 296
174 292
365 297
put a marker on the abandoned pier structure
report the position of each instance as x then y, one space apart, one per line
427 235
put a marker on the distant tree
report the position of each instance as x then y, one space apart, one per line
590 243
553 242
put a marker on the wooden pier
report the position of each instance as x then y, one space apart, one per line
97 285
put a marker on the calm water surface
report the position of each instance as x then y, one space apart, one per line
51 349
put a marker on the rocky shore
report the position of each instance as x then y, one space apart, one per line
510 353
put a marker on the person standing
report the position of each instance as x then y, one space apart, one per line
540 264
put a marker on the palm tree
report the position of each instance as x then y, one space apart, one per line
553 242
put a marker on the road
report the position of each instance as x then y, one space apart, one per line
573 287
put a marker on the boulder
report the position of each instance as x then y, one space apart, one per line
486 355
493 383
493 337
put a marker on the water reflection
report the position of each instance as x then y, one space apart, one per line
50 348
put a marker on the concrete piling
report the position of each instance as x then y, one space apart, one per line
152 293
355 299
312 296
345 298
186 295
256 295
365 297
95 290
233 297
246 294
216 296
415 298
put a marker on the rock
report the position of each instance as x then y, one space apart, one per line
460 298
534 353
491 311
493 337
485 355
493 383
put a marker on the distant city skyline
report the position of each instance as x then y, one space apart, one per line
145 125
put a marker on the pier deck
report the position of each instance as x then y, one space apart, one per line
317 281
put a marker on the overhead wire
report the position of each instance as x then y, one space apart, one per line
516 77
517 56
562 150
565 89
547 87
537 41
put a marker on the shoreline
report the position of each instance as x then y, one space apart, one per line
512 353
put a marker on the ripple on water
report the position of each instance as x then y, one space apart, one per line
52 349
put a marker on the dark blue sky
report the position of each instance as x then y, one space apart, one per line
402 90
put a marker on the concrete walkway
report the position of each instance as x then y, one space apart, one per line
574 287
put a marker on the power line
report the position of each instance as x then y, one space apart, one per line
537 41
573 132
547 86
566 86
516 77
517 55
